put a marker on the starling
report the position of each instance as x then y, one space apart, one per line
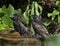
20 27
38 26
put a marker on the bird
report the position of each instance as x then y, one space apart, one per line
20 27
38 26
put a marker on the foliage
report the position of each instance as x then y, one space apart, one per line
5 20
5 14
34 8
56 12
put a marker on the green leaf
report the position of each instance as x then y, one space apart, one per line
27 8
25 18
7 22
0 10
4 9
10 10
18 12
32 8
49 14
32 29
1 26
57 3
46 23
55 12
38 9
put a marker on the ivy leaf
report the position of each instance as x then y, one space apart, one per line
1 26
38 9
25 18
49 14
4 9
32 8
32 29
55 12
26 14
10 10
7 22
0 10
18 12
46 23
